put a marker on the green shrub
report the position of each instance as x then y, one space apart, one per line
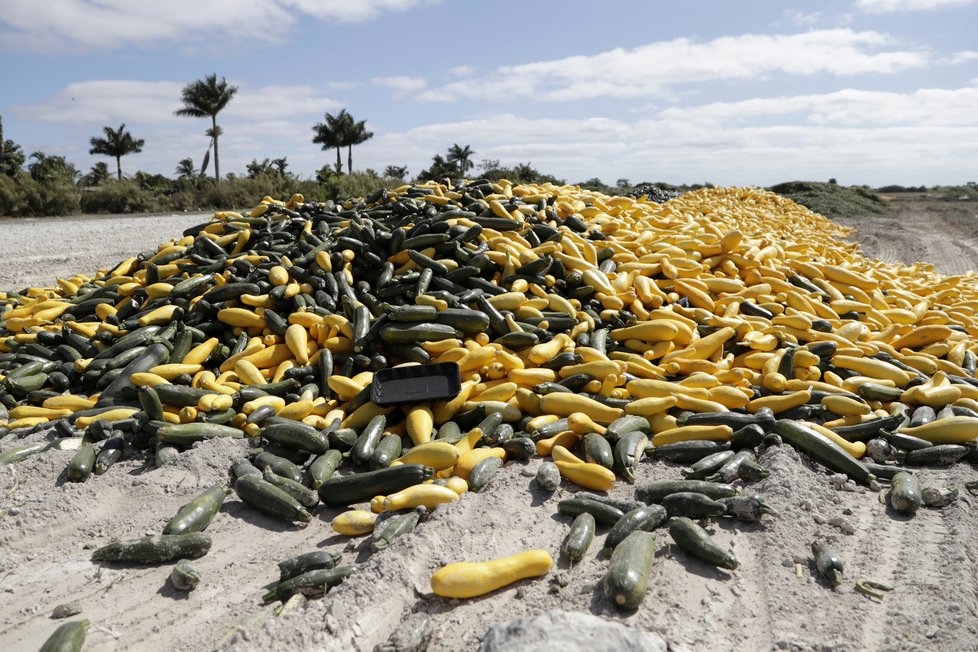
356 184
832 200
119 197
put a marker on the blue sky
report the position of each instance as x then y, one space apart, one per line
745 93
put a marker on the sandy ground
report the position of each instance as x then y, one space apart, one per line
773 601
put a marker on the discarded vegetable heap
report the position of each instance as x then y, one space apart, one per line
594 330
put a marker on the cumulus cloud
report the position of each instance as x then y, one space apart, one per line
401 85
58 25
648 69
889 6
350 11
153 102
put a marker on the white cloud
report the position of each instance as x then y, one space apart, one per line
107 102
648 69
350 11
959 57
888 6
59 25
401 85
110 101
803 18
845 108
461 71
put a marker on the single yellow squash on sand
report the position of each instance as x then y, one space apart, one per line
470 579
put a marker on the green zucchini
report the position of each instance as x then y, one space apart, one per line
187 434
399 333
412 635
482 472
278 465
905 493
197 514
749 508
906 442
68 637
822 450
396 526
312 584
386 451
296 434
707 466
184 577
628 452
730 470
149 401
937 455
627 579
164 454
470 322
82 463
519 448
695 541
692 505
645 518
109 454
597 450
368 440
603 514
323 467
736 420
309 561
179 395
688 452
618 503
156 549
360 487
624 425
304 495
828 563
876 392
750 436
269 499
868 429
548 476
654 492
22 452
579 538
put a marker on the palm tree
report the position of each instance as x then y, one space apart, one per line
205 98
328 135
98 174
395 171
186 169
354 134
461 157
49 168
117 143
12 158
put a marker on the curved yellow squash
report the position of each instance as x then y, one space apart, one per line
471 579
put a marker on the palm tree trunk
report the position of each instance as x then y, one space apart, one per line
349 158
217 160
118 167
339 161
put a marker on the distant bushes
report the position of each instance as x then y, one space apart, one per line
119 197
832 200
23 196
